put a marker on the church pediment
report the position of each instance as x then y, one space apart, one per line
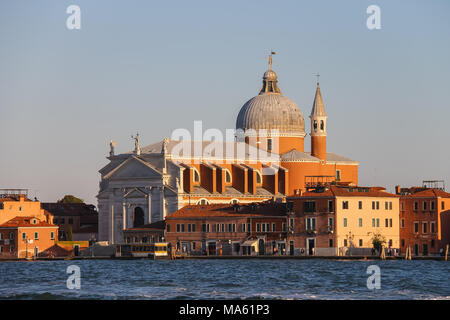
134 168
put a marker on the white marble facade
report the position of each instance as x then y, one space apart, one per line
145 182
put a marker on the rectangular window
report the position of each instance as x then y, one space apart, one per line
378 205
36 235
378 223
373 205
345 222
344 204
390 205
249 229
416 227
203 227
424 227
330 223
52 236
193 227
291 223
11 236
402 205
273 227
386 205
387 223
373 222
309 206
403 223
442 205
432 205
182 228
258 227
268 227
330 206
234 227
360 242
345 242
390 242
178 228
338 175
330 243
263 227
360 205
222 227
360 222
189 228
168 228
24 235
243 227
433 227
416 206
403 242
269 144
390 223
284 227
424 204
230 227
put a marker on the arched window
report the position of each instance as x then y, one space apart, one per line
227 176
196 175
258 177
203 201
234 201
322 125
315 125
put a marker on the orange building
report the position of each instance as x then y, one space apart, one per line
15 203
26 237
424 220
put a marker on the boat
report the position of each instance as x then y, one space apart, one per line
157 250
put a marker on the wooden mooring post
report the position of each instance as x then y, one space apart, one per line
446 253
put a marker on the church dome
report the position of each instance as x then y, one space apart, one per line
271 110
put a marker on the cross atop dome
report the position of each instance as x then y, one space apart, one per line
270 59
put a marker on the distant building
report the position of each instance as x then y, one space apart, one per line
15 203
80 219
23 237
224 229
343 220
424 219
145 185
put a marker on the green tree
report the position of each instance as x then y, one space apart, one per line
68 198
378 241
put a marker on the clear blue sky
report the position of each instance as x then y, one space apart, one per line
153 66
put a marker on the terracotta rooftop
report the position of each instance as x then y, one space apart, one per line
25 222
155 226
424 192
335 191
259 209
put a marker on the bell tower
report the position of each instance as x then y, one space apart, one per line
318 127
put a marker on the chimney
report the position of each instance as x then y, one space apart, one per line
397 189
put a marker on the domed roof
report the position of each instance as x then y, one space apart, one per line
271 110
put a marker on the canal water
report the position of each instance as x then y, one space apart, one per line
225 279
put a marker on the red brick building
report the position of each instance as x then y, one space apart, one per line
424 220
23 237
224 229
